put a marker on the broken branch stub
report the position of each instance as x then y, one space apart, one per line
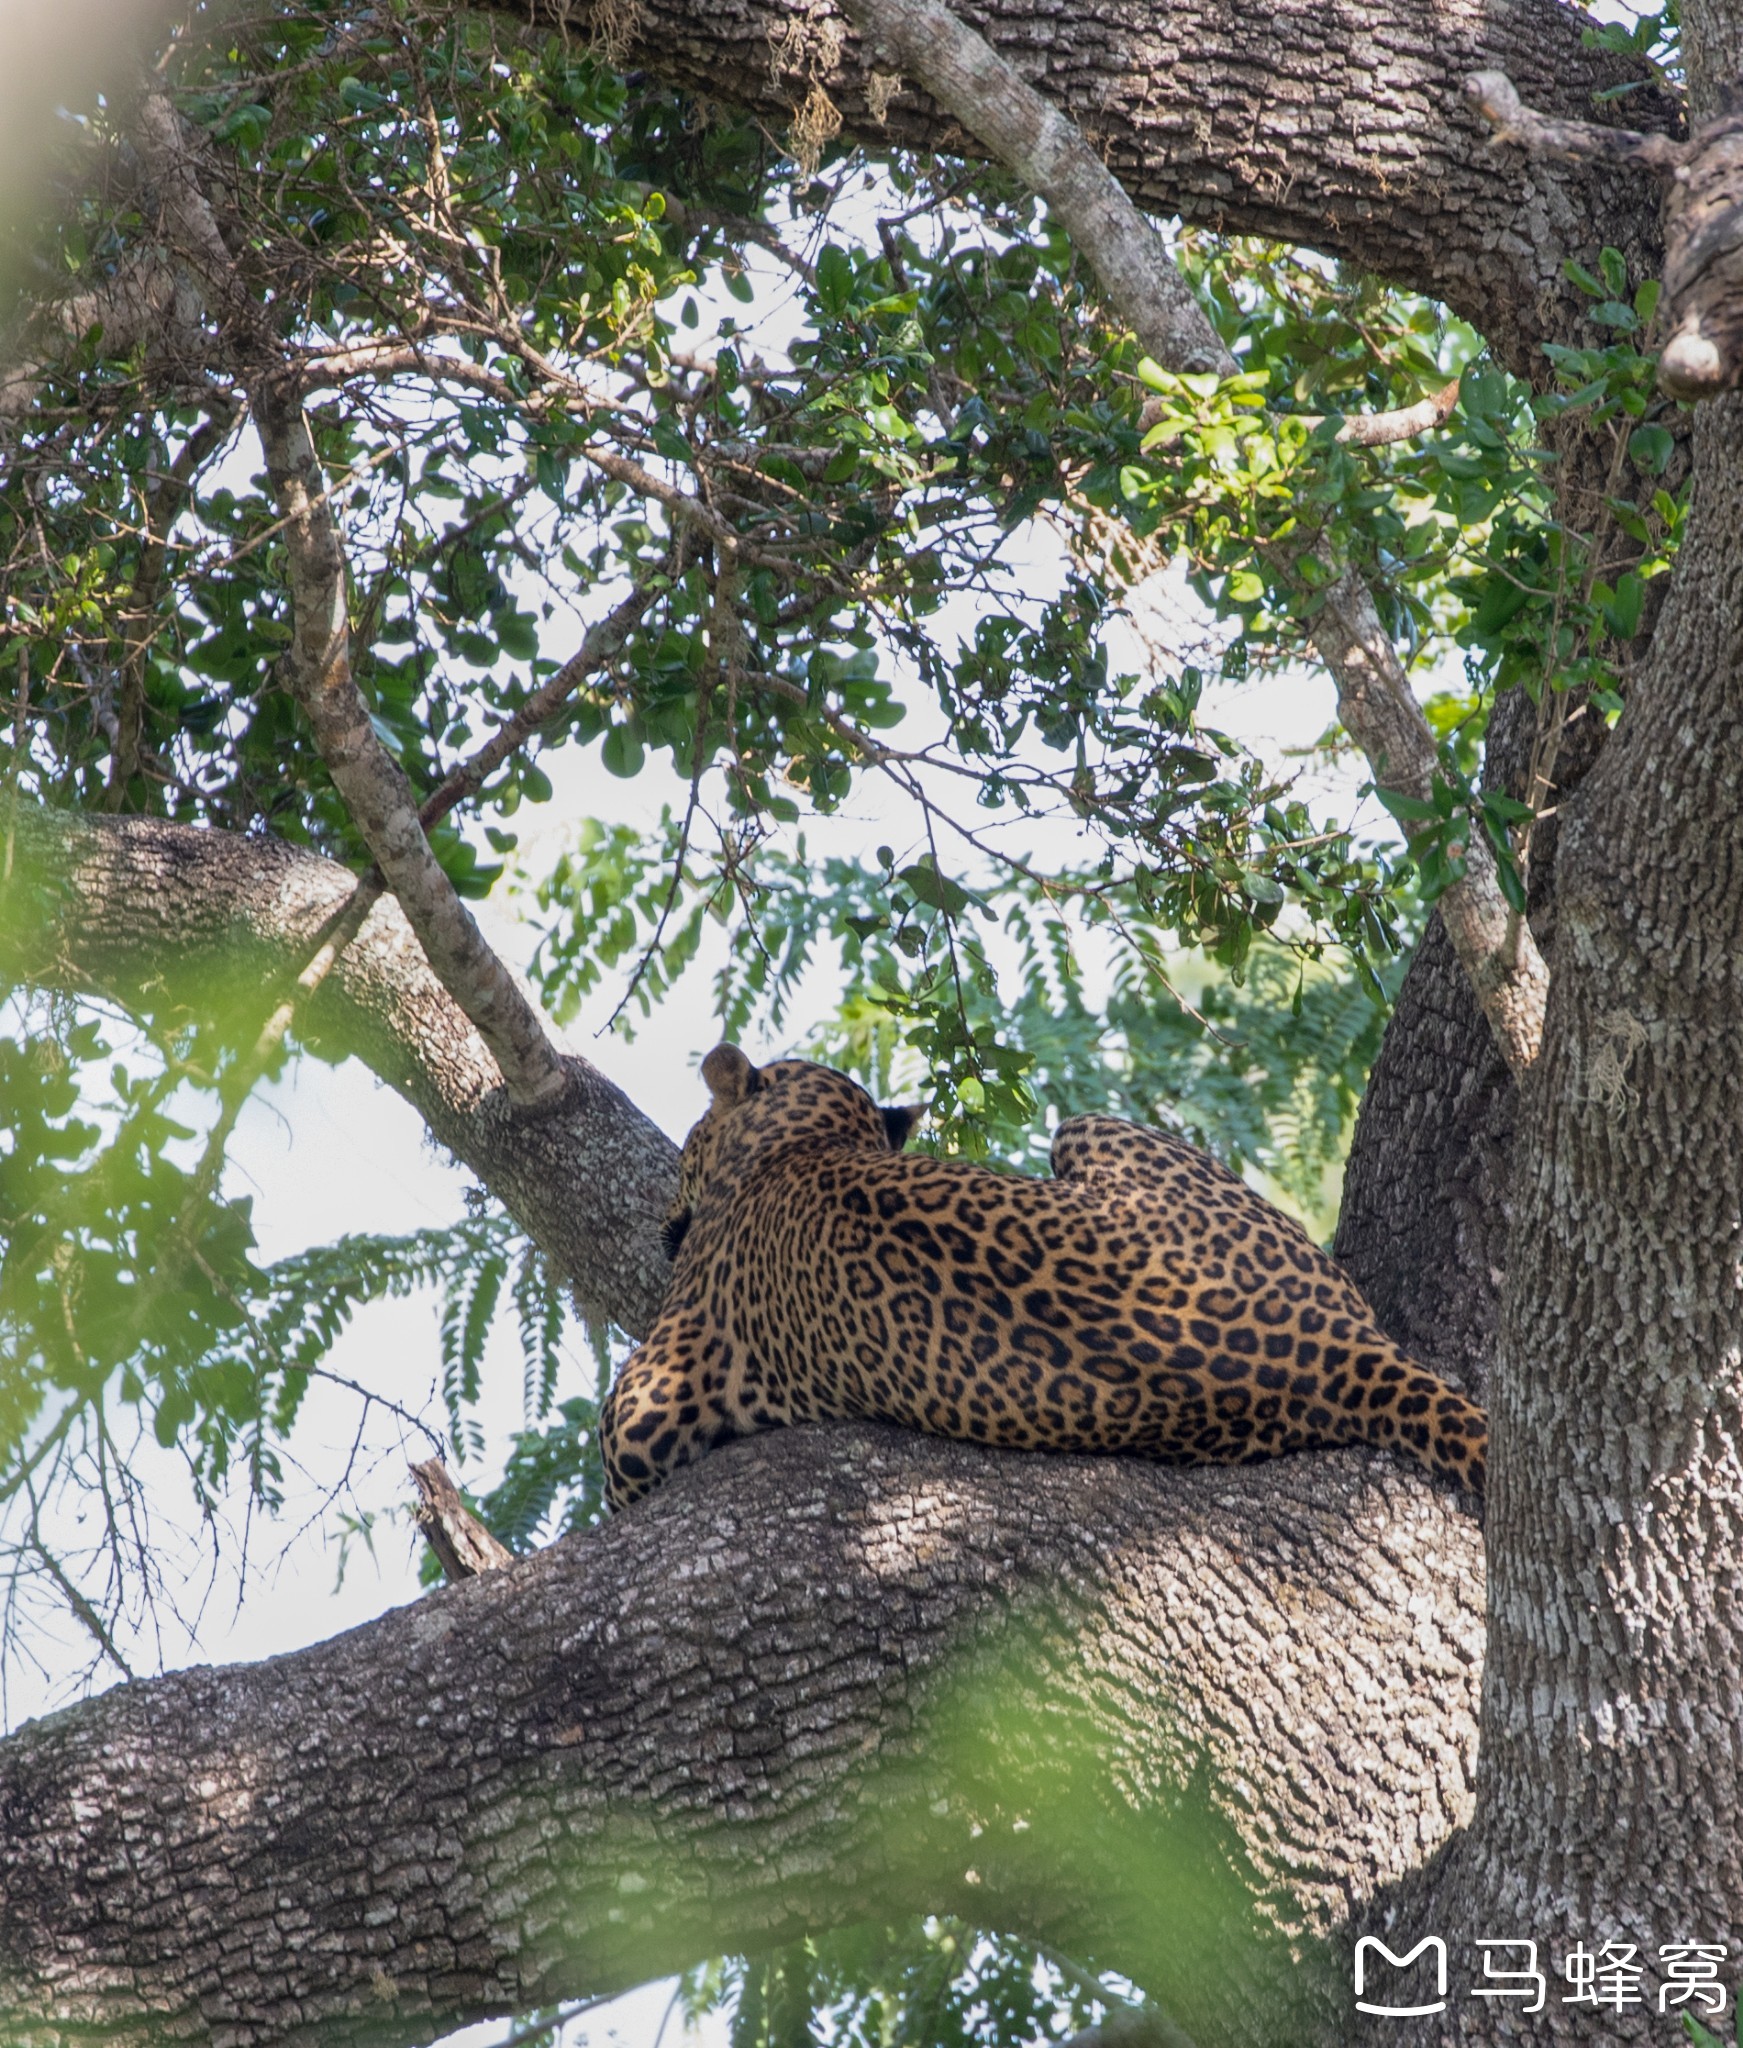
1703 222
463 1546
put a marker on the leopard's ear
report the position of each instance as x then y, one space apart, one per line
899 1122
730 1076
674 1231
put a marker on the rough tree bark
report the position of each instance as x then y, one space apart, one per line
1069 1696
1609 1797
1610 1794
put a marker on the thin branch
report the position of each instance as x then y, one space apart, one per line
604 641
76 1600
685 215
372 783
1138 276
392 359
318 664
1363 429
1381 429
1380 713
165 496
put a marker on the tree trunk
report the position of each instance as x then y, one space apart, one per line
1179 1722
1611 1804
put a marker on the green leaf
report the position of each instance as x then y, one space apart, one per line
1511 880
1408 810
1502 599
670 442
1622 609
622 751
834 280
1650 449
935 890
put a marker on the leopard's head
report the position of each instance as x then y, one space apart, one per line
754 1107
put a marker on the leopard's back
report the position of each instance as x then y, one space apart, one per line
1143 1300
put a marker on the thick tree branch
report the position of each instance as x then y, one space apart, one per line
156 915
1132 264
1093 1701
1327 126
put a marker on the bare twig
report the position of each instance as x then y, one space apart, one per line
1494 95
603 642
76 1600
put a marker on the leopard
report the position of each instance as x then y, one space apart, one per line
1143 1300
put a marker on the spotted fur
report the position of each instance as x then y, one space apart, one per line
1143 1300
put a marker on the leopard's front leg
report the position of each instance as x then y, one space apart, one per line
655 1419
